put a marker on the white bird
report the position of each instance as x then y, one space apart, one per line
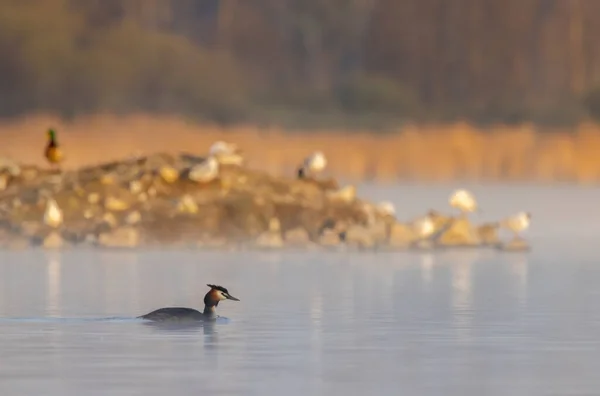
424 226
517 223
206 171
464 201
226 153
386 208
314 163
53 216
221 147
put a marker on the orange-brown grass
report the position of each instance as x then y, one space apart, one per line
414 152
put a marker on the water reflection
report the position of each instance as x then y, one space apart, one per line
461 267
427 261
53 288
518 267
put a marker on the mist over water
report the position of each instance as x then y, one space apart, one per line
461 322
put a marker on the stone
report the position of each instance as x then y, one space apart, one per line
169 174
297 237
270 240
115 204
459 233
30 228
187 204
135 187
109 219
515 245
53 241
123 237
4 178
329 238
108 179
274 225
10 166
345 194
93 198
488 233
401 235
359 236
133 218
53 216
88 214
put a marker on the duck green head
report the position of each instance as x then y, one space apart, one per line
51 134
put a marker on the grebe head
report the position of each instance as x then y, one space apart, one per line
216 294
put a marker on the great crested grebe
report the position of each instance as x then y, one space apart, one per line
211 300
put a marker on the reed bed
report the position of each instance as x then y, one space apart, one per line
429 153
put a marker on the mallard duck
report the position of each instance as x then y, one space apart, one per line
53 153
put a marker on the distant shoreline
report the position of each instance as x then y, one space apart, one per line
414 153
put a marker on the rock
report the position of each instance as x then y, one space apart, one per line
297 237
274 225
459 233
329 238
88 214
109 219
93 198
30 228
345 194
53 216
133 218
9 166
400 235
29 173
187 204
230 159
53 241
135 187
515 245
359 236
488 233
115 204
108 179
169 174
379 232
4 178
183 200
124 237
269 239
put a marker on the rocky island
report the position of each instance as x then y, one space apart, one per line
183 200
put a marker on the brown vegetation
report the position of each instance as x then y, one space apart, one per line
423 153
304 62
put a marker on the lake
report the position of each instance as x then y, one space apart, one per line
462 322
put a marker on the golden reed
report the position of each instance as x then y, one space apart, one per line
415 152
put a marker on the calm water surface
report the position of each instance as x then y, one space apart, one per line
454 323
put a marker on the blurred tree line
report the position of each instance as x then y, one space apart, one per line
300 60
